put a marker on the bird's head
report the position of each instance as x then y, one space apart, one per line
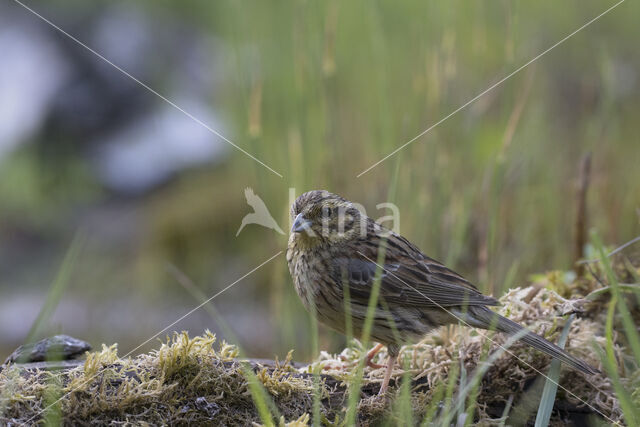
322 217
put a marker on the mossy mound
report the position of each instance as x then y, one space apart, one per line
187 380
197 380
515 376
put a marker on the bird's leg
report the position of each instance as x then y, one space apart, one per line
371 354
387 374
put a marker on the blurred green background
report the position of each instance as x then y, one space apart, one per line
318 91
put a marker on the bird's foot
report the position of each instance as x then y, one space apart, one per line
368 361
373 365
371 354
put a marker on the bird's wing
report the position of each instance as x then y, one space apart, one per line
407 278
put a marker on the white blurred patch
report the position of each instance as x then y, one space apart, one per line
148 151
32 71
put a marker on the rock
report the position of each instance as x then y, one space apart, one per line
58 347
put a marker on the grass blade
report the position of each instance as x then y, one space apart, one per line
475 389
548 398
627 321
315 373
436 399
57 288
209 307
402 406
477 376
611 366
259 396
354 389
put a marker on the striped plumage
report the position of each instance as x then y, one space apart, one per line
333 244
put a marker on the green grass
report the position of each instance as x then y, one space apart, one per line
458 396
341 85
451 402
354 387
322 90
468 386
548 398
40 327
479 190
631 412
56 290
629 326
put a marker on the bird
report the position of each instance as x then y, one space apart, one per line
260 214
334 246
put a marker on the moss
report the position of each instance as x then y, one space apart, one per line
198 380
302 421
187 380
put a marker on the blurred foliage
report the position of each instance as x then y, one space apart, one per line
320 91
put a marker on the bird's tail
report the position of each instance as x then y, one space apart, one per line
482 317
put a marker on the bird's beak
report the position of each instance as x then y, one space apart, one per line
300 224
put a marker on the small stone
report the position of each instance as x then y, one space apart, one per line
210 408
58 347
